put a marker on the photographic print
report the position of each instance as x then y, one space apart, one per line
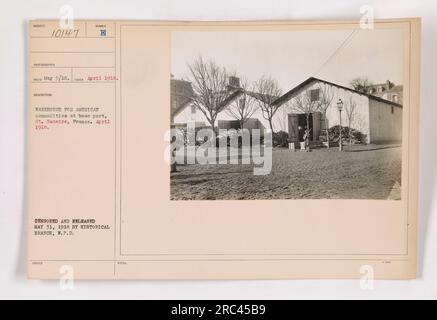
223 150
311 114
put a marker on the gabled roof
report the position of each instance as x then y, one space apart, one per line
181 94
232 96
290 94
261 97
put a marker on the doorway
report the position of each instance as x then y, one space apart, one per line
302 123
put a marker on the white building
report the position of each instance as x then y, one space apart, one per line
378 119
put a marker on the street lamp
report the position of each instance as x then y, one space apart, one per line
340 108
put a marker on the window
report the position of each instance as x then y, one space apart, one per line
395 98
314 95
193 109
392 110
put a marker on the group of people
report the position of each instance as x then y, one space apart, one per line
304 138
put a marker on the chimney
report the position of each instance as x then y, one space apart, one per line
388 85
233 82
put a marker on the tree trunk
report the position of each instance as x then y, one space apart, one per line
308 123
270 124
327 131
212 124
307 142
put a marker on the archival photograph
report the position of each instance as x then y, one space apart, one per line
304 114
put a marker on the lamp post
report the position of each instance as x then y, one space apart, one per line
340 108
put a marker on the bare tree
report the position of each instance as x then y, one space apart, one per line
360 84
211 93
244 106
266 92
351 111
325 100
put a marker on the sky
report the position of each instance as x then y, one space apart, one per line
291 57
